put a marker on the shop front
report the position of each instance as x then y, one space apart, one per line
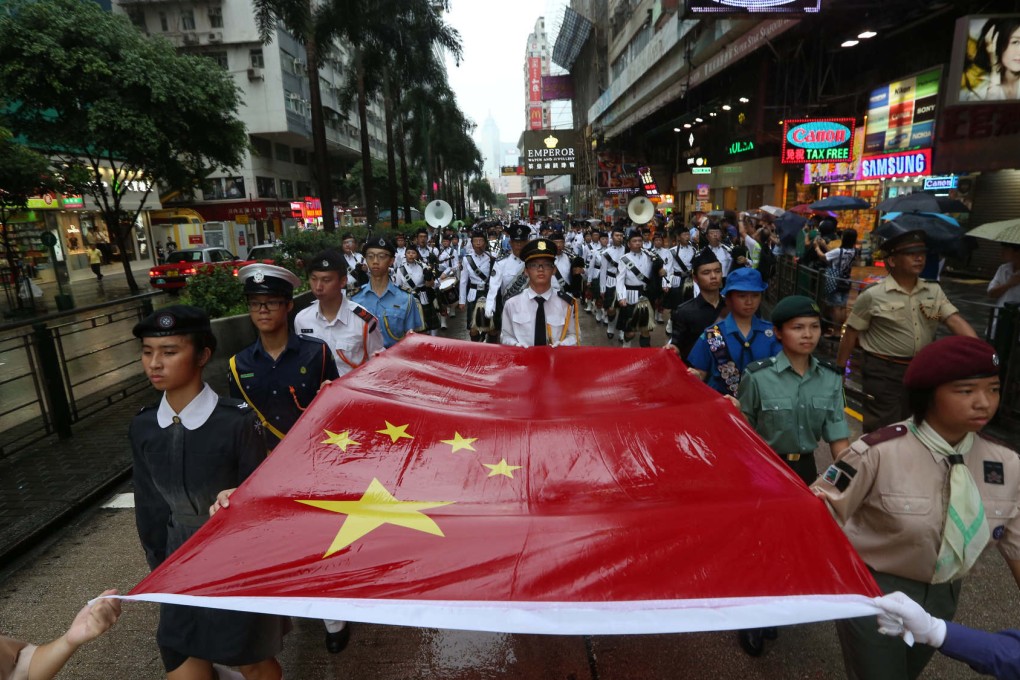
744 185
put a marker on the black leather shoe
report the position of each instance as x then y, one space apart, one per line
770 633
336 642
752 641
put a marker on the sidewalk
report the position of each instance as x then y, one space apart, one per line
87 291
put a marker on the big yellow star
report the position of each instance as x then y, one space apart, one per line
377 507
395 432
459 442
502 468
343 440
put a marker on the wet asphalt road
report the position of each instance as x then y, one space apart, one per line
41 593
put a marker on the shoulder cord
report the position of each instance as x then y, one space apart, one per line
262 418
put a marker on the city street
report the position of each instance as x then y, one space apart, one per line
41 592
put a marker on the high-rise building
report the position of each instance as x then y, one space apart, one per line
491 147
537 113
273 80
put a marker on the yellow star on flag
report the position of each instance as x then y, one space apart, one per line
395 432
343 440
459 442
502 468
377 507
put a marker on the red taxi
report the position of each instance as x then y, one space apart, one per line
180 264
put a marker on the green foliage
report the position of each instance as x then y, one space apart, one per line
23 173
217 291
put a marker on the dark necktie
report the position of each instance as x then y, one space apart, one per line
540 322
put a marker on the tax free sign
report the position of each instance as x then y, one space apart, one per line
818 140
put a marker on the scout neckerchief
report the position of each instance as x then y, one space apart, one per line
728 371
966 532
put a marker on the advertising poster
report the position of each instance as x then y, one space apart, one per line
615 173
754 6
901 115
985 66
551 152
557 87
535 118
534 79
815 140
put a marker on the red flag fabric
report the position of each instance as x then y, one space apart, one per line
570 490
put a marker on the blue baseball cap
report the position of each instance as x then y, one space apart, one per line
746 280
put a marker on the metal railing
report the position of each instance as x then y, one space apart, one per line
57 369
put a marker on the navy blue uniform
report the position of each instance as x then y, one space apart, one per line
280 390
760 344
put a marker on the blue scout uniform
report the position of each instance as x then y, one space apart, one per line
281 389
723 349
397 311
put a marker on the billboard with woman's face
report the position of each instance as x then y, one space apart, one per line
986 59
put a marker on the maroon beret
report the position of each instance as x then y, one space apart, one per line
954 358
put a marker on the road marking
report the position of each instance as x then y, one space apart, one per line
121 501
853 414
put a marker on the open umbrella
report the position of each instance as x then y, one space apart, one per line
951 205
840 203
787 226
945 218
937 232
1006 231
910 203
594 222
772 210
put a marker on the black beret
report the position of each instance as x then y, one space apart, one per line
956 357
268 279
327 261
706 256
478 234
380 243
540 247
519 232
792 306
347 236
173 320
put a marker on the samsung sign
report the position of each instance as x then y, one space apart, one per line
823 140
903 164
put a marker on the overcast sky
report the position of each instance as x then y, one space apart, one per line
490 77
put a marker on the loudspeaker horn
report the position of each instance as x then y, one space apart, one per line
438 214
640 210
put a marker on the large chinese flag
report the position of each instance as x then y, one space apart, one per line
573 490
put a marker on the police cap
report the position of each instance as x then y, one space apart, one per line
327 261
540 247
173 320
793 306
519 232
268 279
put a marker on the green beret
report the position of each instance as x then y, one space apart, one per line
791 307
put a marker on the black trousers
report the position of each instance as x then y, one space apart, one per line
885 398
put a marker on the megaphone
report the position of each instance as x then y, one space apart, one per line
640 210
438 214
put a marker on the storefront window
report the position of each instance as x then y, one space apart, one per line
266 187
286 188
218 188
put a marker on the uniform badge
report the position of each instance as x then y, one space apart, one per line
166 321
995 360
325 263
303 370
258 277
769 333
994 473
998 532
541 245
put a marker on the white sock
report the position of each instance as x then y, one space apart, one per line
334 626
224 673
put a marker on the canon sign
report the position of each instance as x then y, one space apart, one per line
818 140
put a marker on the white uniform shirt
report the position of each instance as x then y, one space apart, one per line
1002 275
398 258
470 281
562 263
609 271
519 313
353 336
722 253
595 262
629 277
448 261
504 271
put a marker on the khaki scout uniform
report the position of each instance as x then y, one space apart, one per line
889 493
894 325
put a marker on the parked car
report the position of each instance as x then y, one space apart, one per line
267 252
180 264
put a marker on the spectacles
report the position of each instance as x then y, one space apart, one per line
377 257
268 305
541 266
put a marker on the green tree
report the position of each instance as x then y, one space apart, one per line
90 91
481 191
23 174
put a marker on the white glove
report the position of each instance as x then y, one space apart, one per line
490 309
902 617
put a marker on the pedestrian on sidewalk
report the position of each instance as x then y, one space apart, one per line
23 661
96 261
893 320
186 451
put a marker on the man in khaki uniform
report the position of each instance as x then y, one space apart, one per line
892 321
920 500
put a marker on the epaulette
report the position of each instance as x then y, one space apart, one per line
884 434
232 403
565 296
502 257
309 338
147 408
760 364
996 440
364 315
831 365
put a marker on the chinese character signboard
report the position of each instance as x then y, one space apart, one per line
534 79
901 115
511 170
557 87
753 6
551 152
818 140
648 184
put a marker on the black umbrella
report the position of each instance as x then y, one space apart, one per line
937 232
788 225
840 203
910 203
951 205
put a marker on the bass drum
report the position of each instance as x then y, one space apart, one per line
448 293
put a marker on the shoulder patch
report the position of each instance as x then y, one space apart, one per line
363 314
758 365
231 403
995 440
885 434
565 296
311 339
148 408
831 365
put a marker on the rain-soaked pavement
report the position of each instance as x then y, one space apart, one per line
41 592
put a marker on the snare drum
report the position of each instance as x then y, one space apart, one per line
448 293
